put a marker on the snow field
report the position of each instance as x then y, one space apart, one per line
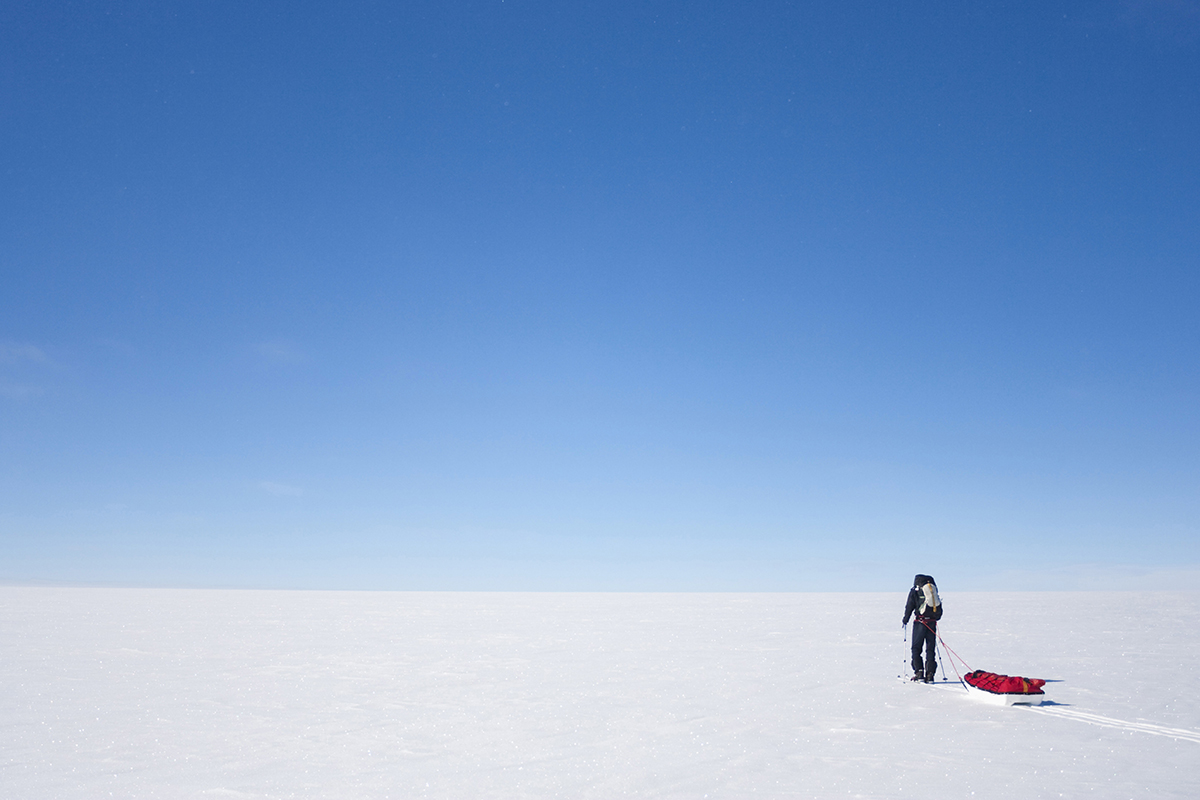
142 693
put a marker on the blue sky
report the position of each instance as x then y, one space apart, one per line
662 295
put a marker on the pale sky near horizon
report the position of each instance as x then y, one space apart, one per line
658 295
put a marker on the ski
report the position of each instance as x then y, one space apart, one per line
943 681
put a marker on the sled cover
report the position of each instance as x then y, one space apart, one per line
1004 684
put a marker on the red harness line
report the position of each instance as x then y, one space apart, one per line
956 655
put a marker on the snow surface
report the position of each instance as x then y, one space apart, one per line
268 694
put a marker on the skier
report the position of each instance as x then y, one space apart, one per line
923 601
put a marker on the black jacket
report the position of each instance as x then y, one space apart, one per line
915 598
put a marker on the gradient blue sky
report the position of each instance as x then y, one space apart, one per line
655 295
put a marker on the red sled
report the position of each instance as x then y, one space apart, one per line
1005 690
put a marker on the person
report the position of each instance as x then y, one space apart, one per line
923 601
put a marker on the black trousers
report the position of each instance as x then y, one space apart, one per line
924 637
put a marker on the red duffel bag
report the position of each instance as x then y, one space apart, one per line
1004 684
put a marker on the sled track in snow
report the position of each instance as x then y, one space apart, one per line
1120 724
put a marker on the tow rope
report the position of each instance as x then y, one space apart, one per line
951 651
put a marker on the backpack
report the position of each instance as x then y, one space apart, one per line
930 603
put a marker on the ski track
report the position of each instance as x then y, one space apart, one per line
1109 722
